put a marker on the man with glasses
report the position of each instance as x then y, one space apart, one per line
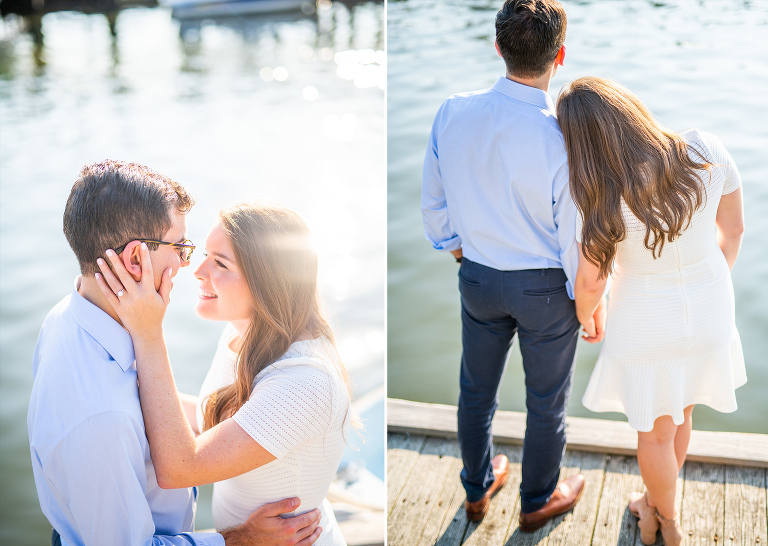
90 455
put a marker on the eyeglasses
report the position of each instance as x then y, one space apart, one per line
186 247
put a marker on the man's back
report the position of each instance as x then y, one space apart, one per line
90 455
496 168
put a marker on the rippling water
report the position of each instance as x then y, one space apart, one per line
695 64
289 108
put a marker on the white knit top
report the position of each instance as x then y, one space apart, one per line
670 336
300 412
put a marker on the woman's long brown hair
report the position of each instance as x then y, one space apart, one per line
273 250
616 150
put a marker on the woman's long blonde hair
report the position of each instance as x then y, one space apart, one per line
273 249
616 150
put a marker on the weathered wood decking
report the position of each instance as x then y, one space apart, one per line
720 503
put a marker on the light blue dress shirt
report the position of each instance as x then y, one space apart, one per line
495 181
90 455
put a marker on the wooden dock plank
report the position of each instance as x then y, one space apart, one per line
576 527
595 435
455 523
745 506
504 506
402 454
614 524
703 504
449 521
720 504
426 495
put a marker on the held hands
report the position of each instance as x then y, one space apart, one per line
595 328
265 527
140 307
457 254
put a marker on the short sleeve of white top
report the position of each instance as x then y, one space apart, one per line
289 406
300 412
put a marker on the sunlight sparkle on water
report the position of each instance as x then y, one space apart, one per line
363 66
310 93
281 74
267 74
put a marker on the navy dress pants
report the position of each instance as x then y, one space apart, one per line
496 305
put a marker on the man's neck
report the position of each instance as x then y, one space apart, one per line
542 82
91 292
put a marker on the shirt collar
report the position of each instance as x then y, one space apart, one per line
524 93
103 328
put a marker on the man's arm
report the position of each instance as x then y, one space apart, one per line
434 208
565 215
265 527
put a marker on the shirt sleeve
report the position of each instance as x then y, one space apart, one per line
434 208
288 407
566 214
97 474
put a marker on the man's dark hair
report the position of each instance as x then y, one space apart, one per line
529 34
114 203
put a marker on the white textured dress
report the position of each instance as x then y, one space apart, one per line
670 336
300 412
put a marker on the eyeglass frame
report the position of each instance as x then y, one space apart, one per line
181 245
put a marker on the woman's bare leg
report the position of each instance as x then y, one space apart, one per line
682 437
658 464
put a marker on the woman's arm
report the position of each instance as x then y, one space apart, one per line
180 459
590 304
730 225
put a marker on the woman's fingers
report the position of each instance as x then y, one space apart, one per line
122 273
107 291
147 273
165 286
589 328
109 277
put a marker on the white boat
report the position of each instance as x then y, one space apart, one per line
189 9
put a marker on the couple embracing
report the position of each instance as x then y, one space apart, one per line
541 204
116 450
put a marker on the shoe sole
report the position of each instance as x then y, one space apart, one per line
530 529
478 516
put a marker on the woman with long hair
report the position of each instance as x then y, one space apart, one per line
661 212
274 411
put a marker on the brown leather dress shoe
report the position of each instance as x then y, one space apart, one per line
566 495
477 510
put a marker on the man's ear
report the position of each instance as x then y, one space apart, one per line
497 49
131 258
560 59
